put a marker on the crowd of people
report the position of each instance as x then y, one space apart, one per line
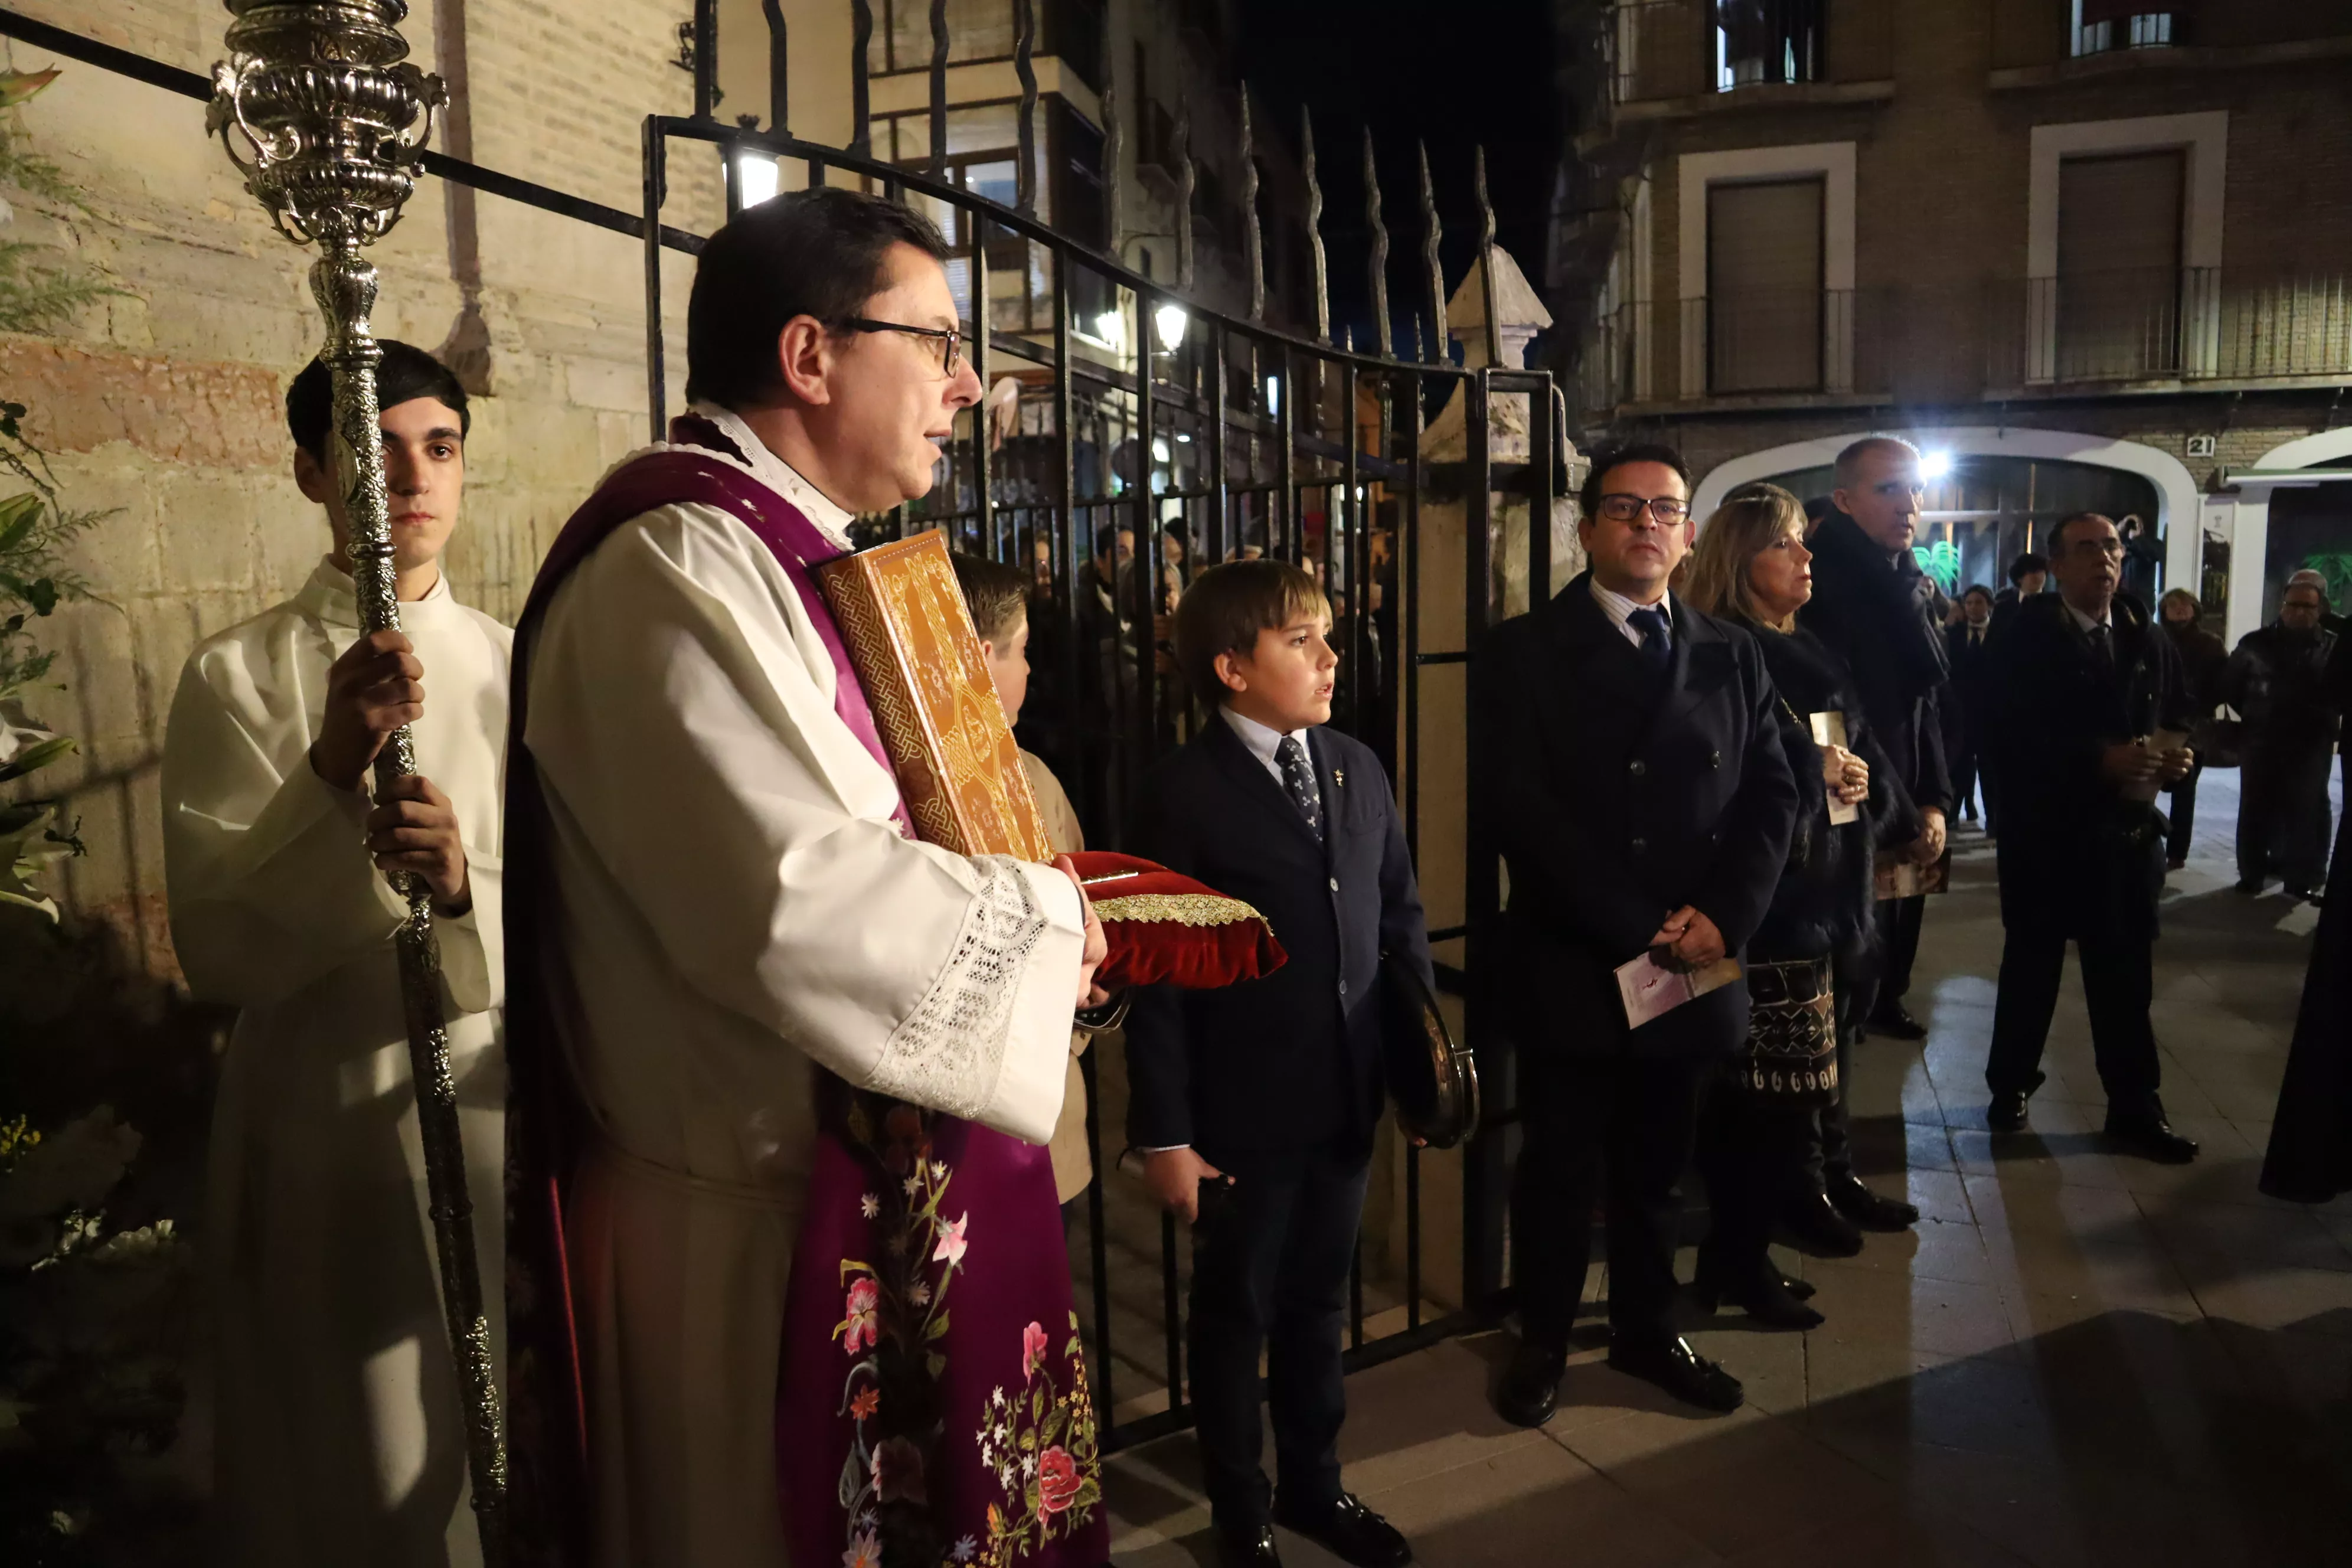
765 1080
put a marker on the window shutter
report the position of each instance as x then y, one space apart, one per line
1763 315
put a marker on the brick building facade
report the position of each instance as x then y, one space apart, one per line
2092 253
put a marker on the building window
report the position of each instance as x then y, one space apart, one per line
2118 289
1759 41
2101 27
1764 267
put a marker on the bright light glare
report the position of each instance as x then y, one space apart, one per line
1170 321
1110 327
1935 465
1159 450
1274 394
756 178
1181 437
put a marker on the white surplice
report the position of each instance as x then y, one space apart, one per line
339 1439
737 907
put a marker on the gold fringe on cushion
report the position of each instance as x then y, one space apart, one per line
1183 909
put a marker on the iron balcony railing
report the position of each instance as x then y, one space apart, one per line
1782 341
2186 323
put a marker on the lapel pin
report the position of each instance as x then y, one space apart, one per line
1339 779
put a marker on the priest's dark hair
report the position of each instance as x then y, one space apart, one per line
997 594
806 253
1589 497
406 372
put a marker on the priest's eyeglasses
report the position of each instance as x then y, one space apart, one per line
950 339
1668 509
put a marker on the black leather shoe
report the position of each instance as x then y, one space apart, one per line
1802 1290
1896 1023
2249 886
1870 1210
1818 1228
1681 1371
2006 1112
1766 1299
1251 1547
1351 1532
1530 1387
2151 1137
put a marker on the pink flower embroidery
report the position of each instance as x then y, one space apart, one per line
952 1243
864 1324
1057 1479
865 1551
1033 1351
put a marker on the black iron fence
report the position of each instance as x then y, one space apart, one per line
1137 408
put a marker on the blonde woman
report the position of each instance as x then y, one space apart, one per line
1751 568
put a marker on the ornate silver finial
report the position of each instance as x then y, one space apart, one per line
1431 233
1185 178
1315 225
320 110
1252 244
1379 253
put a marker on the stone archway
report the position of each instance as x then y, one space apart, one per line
2177 496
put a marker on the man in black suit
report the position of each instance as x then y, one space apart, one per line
1964 716
2028 575
2081 683
1875 609
1255 1105
1626 763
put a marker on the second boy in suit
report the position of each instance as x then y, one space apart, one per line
1255 1105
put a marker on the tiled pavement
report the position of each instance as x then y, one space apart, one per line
2076 1358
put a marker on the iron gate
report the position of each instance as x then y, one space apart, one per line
1281 461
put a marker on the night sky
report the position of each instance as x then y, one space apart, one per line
1455 72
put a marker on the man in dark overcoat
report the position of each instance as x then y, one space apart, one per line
1627 767
2083 684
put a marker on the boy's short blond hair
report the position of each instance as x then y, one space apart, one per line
1226 608
997 594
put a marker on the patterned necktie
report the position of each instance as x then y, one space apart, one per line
1650 622
2102 648
1298 782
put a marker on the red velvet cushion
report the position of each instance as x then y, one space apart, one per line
1166 927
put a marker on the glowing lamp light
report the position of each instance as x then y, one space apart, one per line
1183 438
756 178
1167 323
1110 327
1274 394
1935 465
1159 450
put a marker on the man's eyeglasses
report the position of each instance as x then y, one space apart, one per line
949 340
1667 510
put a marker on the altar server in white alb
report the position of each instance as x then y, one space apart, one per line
340 1437
728 903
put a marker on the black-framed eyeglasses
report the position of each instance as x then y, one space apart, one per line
950 339
1667 510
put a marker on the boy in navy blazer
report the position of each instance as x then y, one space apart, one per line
1254 1106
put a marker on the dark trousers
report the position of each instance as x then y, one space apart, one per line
1270 1263
1752 1155
2283 821
1898 945
2182 818
1619 1126
2118 981
1829 1152
1964 781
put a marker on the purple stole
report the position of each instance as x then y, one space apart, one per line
905 1438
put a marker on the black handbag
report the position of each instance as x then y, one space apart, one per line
1434 1081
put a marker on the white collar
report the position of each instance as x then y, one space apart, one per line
831 521
1264 741
332 595
1620 610
2087 623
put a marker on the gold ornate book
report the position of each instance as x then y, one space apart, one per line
903 620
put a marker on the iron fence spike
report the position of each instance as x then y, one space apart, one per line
1379 259
1315 225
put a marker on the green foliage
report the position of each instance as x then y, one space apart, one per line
41 289
2335 565
1940 562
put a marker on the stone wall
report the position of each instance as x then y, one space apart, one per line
164 404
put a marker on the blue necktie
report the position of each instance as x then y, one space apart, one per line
1652 623
1298 782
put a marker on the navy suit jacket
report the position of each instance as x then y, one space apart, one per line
1292 1060
1616 797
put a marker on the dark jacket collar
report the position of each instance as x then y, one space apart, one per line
1248 774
